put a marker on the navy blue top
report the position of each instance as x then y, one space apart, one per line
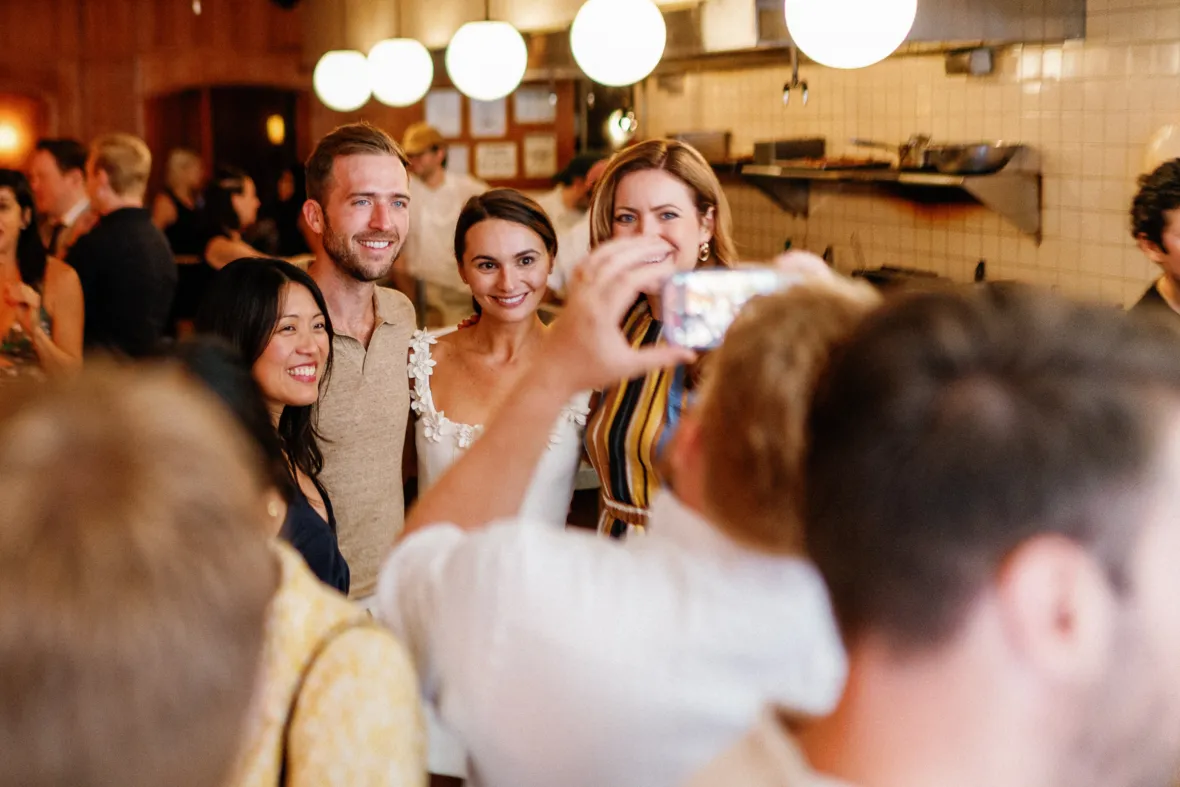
315 539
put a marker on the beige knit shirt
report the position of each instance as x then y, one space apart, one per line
362 419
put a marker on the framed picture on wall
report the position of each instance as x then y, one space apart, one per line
495 161
444 111
489 119
540 155
534 106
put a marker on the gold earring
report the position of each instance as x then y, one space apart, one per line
703 254
272 508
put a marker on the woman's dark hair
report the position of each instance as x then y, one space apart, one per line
219 366
31 256
507 205
220 215
242 306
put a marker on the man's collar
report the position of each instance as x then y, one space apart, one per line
71 215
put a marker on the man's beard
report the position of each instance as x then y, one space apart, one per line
349 261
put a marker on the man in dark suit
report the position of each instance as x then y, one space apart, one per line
125 264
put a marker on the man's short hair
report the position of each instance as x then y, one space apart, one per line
126 160
135 583
67 153
753 407
353 139
954 426
1159 193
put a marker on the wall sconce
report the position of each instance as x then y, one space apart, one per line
9 138
276 130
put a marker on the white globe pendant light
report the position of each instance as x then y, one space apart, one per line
849 33
618 42
400 71
341 80
486 60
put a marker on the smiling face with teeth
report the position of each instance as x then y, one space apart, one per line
506 265
365 215
290 367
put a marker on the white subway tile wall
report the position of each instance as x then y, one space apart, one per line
1089 107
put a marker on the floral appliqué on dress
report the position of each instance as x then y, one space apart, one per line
421 367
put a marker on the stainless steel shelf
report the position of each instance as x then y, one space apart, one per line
1014 192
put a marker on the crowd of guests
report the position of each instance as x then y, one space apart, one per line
905 540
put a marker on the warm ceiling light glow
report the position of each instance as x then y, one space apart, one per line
487 60
400 71
341 80
849 33
9 138
618 42
276 129
1163 146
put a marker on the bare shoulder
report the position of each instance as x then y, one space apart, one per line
59 275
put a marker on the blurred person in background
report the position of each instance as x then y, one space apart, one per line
135 600
568 207
991 499
1155 226
231 204
661 189
57 174
41 309
358 199
437 197
287 213
274 316
125 265
177 209
565 658
338 703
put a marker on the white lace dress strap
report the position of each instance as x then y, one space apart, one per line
435 424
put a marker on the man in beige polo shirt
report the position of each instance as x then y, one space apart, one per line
358 205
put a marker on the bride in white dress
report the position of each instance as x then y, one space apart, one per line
505 246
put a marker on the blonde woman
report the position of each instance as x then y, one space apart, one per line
177 209
665 189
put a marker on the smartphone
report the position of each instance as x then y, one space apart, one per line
699 306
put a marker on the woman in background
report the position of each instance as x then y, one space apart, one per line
661 188
231 205
275 317
41 309
177 209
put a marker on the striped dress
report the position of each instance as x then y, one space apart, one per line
626 431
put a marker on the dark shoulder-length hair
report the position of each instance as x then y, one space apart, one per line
242 306
220 214
31 257
507 205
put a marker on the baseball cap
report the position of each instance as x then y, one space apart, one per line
578 167
421 137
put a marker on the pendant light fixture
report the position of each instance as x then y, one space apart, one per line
849 33
487 60
341 77
618 42
401 70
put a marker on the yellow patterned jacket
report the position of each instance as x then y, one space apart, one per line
357 721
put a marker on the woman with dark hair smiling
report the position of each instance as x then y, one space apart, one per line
41 315
504 247
275 316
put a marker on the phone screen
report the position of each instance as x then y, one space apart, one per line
699 306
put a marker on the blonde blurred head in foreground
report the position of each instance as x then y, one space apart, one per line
135 601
